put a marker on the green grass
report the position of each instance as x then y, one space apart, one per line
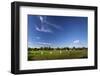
56 54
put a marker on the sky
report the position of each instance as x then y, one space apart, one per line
57 31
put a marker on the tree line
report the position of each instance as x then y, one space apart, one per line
58 48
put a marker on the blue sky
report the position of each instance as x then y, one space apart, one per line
57 31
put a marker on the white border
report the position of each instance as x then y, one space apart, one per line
26 65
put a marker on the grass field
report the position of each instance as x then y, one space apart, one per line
57 54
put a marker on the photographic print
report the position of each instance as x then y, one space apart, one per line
52 37
57 37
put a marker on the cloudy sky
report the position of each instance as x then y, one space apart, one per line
57 31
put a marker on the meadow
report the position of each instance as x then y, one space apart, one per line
58 53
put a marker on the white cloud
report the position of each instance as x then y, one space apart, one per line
53 25
42 29
43 43
76 41
44 25
41 18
